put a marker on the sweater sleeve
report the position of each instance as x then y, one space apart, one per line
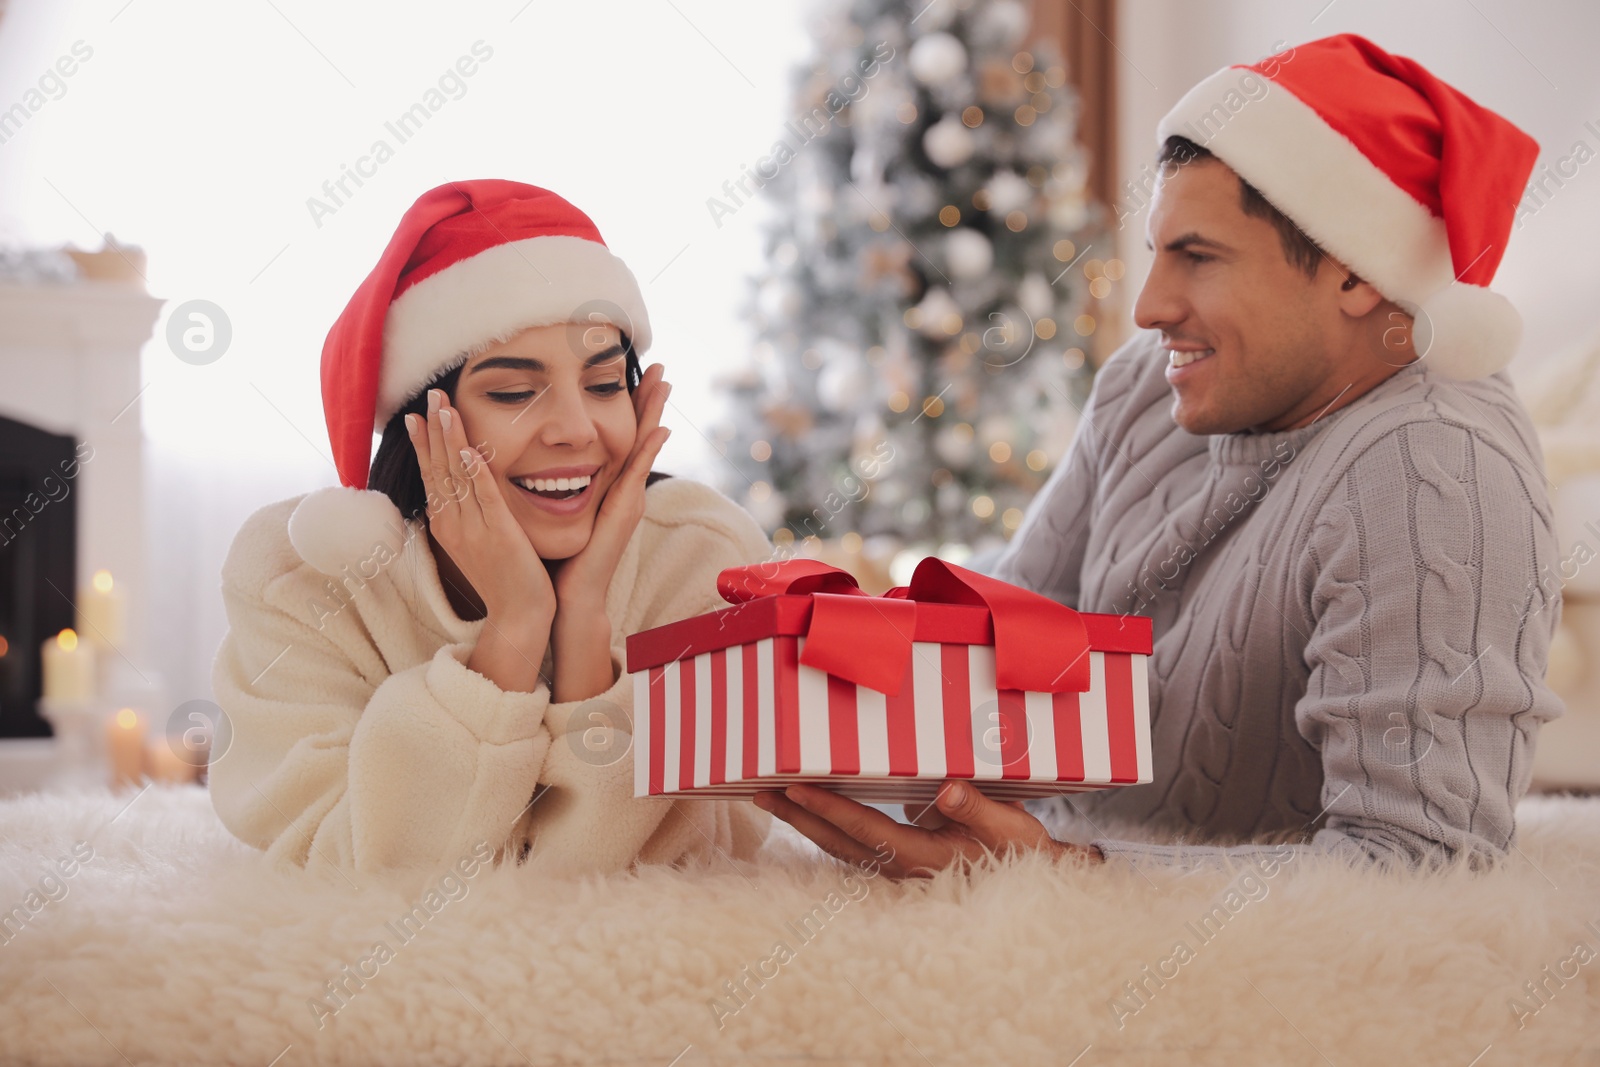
335 763
1430 629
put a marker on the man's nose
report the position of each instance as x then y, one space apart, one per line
1159 304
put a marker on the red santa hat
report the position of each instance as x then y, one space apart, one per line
1401 177
472 263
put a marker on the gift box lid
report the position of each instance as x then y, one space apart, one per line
789 616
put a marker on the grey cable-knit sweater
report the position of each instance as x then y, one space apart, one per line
1350 626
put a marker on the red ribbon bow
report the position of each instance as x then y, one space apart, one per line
1040 646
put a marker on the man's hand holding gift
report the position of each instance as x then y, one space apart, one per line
808 676
959 827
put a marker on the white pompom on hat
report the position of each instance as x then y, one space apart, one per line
471 263
1401 177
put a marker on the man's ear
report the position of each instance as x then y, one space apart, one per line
1356 296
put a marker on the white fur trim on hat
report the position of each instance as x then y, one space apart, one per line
347 532
493 295
1466 331
1348 206
1318 178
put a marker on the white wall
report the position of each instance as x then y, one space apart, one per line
1530 60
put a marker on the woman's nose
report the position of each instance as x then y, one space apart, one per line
565 421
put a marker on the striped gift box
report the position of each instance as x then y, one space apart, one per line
724 707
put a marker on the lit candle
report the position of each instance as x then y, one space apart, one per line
164 764
68 668
100 610
125 735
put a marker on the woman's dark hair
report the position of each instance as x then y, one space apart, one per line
394 470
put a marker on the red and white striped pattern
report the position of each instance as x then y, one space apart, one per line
749 717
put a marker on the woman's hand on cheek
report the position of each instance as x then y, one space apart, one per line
581 581
470 519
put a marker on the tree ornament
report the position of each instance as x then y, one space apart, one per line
937 59
843 383
968 253
1035 296
938 313
954 446
1001 24
1008 191
948 142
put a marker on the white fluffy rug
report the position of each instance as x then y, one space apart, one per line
175 944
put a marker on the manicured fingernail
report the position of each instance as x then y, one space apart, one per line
956 792
433 401
467 458
444 418
796 794
411 424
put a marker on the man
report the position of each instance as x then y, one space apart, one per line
1311 475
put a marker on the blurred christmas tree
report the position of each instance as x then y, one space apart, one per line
918 364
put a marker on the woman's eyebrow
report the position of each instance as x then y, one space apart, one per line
537 366
605 357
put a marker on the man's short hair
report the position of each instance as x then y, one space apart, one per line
1300 250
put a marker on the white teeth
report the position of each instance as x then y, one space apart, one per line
1183 359
555 485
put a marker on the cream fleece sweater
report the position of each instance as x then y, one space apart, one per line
362 741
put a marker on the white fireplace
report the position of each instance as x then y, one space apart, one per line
70 365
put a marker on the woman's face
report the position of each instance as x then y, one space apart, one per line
550 408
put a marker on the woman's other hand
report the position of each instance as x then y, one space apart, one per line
582 631
581 581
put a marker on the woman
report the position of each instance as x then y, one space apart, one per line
427 662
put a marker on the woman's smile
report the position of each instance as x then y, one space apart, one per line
559 491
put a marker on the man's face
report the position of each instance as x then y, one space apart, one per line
1248 333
